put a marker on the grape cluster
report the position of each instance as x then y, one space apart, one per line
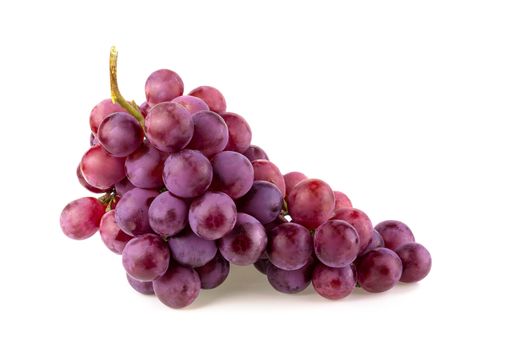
186 194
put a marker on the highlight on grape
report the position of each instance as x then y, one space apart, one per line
185 194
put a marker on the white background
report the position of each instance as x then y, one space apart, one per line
414 108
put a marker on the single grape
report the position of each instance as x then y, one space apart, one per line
265 170
144 109
289 246
262 265
191 103
395 233
333 282
112 236
255 152
131 212
144 167
416 262
311 202
375 242
232 174
178 287
145 288
290 282
293 178
378 270
189 249
336 243
360 221
87 186
80 218
245 243
101 111
214 272
211 133
212 215
239 132
213 98
168 215
187 174
342 201
163 85
123 186
146 258
100 169
120 134
264 202
169 127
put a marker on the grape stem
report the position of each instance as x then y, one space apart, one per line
108 200
116 96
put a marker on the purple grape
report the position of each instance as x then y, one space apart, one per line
292 179
264 170
378 270
245 243
191 103
233 173
416 262
80 218
189 249
112 236
187 174
311 203
395 233
212 215
262 265
342 201
336 243
131 212
289 246
168 215
360 221
264 202
214 272
254 153
146 258
144 167
101 111
87 186
144 109
375 242
120 134
213 98
178 287
163 85
211 133
273 224
290 282
123 186
169 127
100 169
145 288
239 132
333 282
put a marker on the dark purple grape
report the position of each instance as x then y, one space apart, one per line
333 282
87 186
255 152
120 134
168 215
187 174
211 133
131 212
163 85
144 167
100 169
233 173
293 178
189 249
145 288
112 236
360 221
416 262
214 272
290 282
262 265
239 132
169 127
264 202
245 243
264 170
191 103
395 233
123 186
289 246
101 111
378 270
178 287
80 218
311 203
213 98
336 243
212 215
375 242
146 258
342 201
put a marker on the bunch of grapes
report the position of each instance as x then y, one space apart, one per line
185 194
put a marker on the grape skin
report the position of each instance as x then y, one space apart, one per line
191 103
342 201
120 134
144 167
290 282
80 218
131 212
232 173
378 270
123 186
213 273
360 221
210 135
178 287
103 109
264 170
187 174
212 215
100 169
336 243
169 127
416 260
293 178
333 283
163 85
290 246
255 152
239 132
168 215
191 250
145 288
375 242
264 202
395 233
213 98
311 202
87 186
112 236
146 258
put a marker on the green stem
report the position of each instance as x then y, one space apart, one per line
116 96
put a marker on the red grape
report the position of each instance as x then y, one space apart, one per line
80 218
